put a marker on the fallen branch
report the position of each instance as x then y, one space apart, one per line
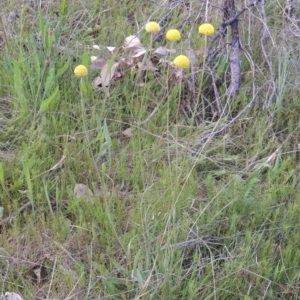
222 29
230 19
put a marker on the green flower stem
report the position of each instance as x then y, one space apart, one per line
83 92
179 99
147 56
177 118
201 80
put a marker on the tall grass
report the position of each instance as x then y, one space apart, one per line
178 211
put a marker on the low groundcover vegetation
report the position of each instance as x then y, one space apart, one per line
149 149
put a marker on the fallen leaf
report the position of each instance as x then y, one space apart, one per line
127 61
118 74
161 51
37 272
97 82
111 49
178 74
128 132
163 60
12 16
132 43
164 51
148 66
97 63
139 53
12 296
83 192
191 54
107 74
93 59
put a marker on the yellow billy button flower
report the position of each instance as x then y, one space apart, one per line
80 71
181 61
173 35
152 27
206 29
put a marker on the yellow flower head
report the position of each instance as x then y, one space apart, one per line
152 27
181 61
80 71
173 35
206 29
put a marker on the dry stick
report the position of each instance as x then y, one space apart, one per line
229 12
222 28
206 10
231 20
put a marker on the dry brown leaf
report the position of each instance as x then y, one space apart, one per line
127 61
12 16
132 43
83 192
106 74
163 60
148 66
93 58
161 51
38 273
178 74
192 56
164 51
118 74
97 82
134 46
97 63
139 53
111 49
128 132
12 296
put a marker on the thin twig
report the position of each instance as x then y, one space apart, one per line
21 209
265 53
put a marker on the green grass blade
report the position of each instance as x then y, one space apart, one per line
45 104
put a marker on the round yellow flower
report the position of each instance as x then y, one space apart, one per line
80 71
173 35
206 29
152 27
181 61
